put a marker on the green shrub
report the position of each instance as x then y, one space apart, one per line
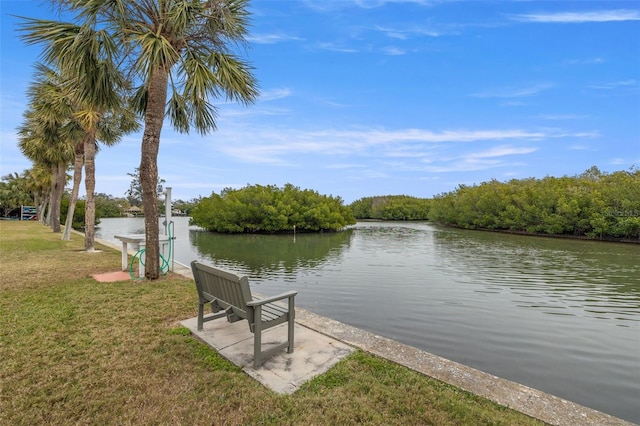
270 209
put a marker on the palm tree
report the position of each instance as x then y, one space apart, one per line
39 180
178 52
78 162
102 116
41 135
43 146
108 127
14 192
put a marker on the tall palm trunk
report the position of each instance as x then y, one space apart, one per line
154 116
59 178
42 208
90 187
39 206
77 179
47 215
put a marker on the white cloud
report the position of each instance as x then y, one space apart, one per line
406 33
562 116
272 38
345 166
483 160
514 92
332 5
580 147
463 166
501 151
580 17
589 61
393 51
623 84
513 104
273 94
624 162
336 48
280 146
369 4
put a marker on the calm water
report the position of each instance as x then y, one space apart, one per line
562 316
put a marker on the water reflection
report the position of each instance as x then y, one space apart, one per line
263 256
555 276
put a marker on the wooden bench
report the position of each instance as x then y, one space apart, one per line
230 296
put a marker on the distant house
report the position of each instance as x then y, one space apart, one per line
134 211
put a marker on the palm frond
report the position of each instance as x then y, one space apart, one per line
234 77
204 116
154 50
138 101
177 111
192 40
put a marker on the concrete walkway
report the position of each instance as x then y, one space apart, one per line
321 342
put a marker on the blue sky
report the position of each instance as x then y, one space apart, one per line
377 97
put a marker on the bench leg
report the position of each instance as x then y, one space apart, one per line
200 316
292 320
257 337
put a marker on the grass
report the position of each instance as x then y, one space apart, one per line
75 351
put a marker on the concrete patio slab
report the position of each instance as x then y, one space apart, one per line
314 353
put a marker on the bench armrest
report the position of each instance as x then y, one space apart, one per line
286 295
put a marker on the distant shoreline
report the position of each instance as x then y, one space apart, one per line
537 234
514 232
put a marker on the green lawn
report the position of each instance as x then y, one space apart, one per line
75 351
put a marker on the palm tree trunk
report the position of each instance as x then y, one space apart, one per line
154 116
77 179
42 208
47 215
39 206
59 178
90 187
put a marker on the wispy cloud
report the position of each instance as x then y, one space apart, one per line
561 116
273 94
501 151
394 51
481 160
513 103
428 136
328 6
345 166
370 4
406 33
588 61
468 165
336 47
580 17
580 147
277 146
621 84
514 92
272 38
625 162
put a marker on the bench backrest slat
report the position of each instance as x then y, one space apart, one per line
227 288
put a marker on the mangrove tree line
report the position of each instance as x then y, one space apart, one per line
593 204
270 209
391 207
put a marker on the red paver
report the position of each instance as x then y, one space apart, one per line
110 277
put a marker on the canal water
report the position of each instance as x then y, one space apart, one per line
562 316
